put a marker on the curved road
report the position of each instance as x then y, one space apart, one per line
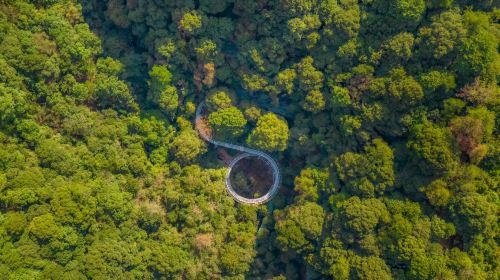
246 152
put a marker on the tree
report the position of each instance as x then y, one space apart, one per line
162 93
442 38
431 265
314 101
227 122
299 226
15 223
74 204
478 49
408 12
186 146
452 107
433 148
168 259
218 99
12 105
437 193
343 16
370 268
403 88
206 51
169 100
44 227
399 48
309 77
480 93
437 84
298 7
110 92
300 28
271 133
340 97
109 256
214 7
311 183
160 79
234 259
190 22
254 82
359 217
252 114
109 66
285 80
436 4
367 174
473 214
349 124
471 130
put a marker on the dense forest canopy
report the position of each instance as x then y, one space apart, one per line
383 115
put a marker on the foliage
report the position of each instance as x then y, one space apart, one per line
382 116
271 133
227 122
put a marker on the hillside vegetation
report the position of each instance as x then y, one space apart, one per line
383 115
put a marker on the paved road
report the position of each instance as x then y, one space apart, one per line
246 152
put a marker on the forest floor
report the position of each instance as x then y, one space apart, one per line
251 177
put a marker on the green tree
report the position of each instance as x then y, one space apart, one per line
438 3
408 12
234 259
271 133
227 122
370 268
207 50
314 101
359 218
44 227
433 148
285 80
190 22
437 193
298 7
110 92
160 79
367 174
437 84
218 99
15 223
478 49
299 226
308 76
311 183
441 39
162 92
399 48
344 18
473 214
186 146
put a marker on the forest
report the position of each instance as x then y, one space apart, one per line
382 115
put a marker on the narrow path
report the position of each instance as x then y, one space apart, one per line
246 152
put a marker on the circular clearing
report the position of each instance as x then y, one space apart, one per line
251 177
260 172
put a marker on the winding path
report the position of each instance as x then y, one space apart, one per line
246 152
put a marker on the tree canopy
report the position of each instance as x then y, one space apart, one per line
381 114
